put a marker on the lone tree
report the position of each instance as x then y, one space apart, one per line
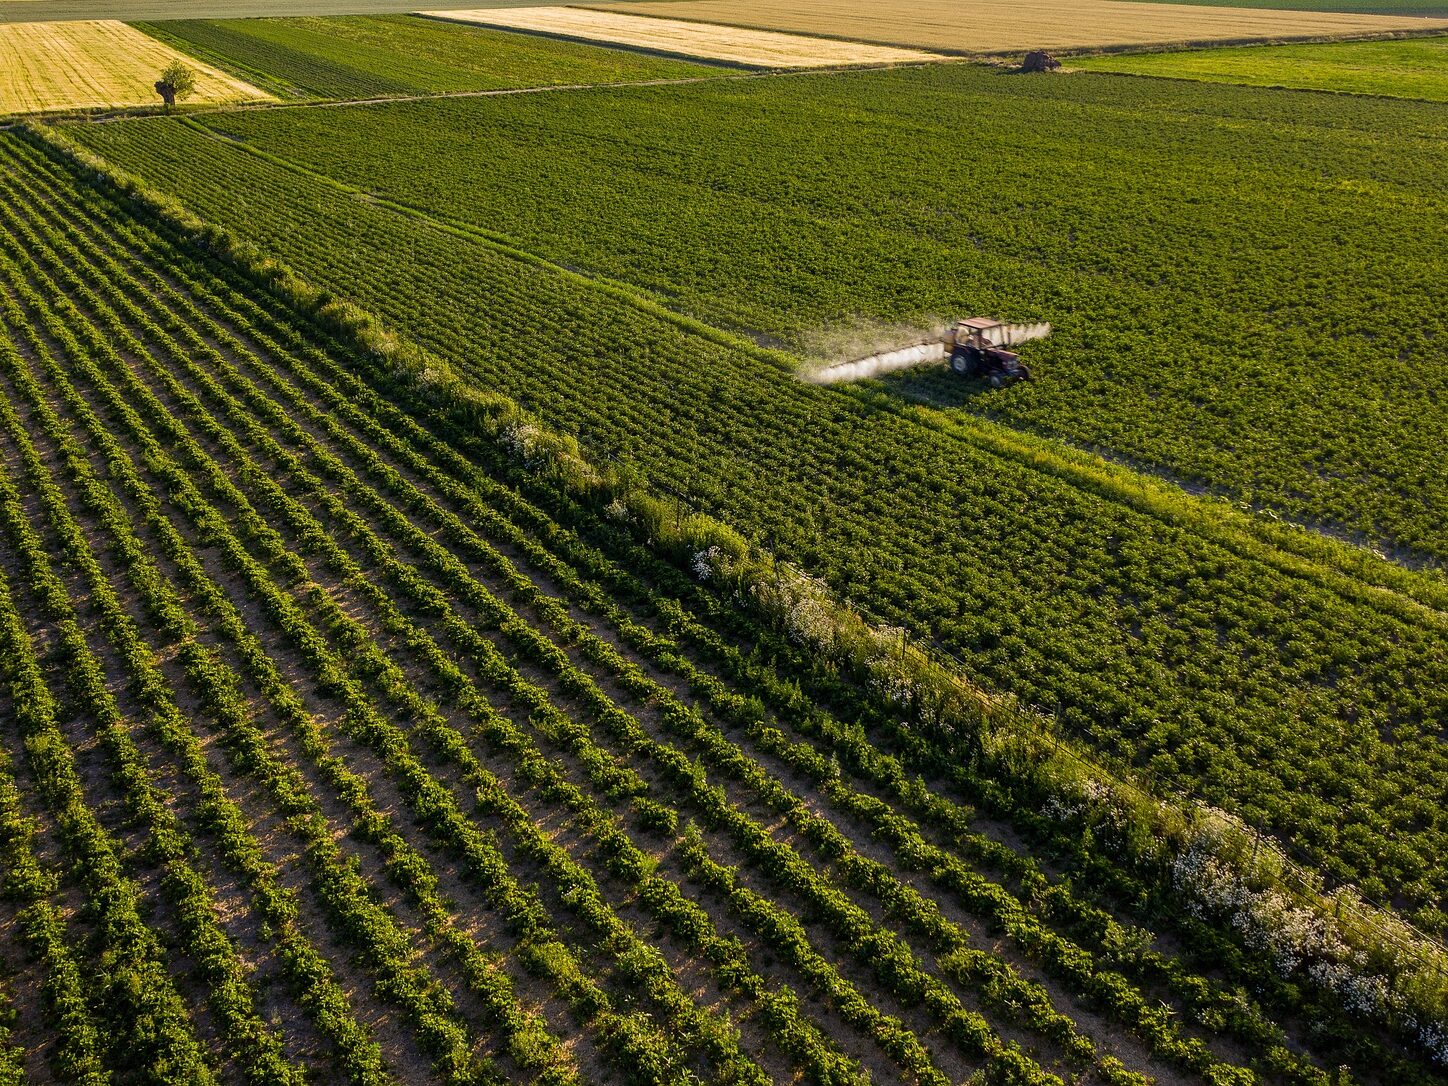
177 81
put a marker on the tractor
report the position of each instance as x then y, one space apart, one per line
977 346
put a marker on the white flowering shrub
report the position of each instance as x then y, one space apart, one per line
705 563
520 439
889 682
1433 1036
1298 941
1087 796
807 622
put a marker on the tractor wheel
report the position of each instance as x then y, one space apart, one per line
960 363
996 380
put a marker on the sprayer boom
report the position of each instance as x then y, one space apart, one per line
976 347
987 332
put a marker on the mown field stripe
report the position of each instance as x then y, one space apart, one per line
84 64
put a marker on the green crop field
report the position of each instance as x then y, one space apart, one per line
400 55
448 633
1414 68
348 747
1201 329
1145 629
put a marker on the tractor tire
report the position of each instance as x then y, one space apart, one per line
964 362
996 380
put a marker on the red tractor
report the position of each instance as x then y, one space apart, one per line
977 346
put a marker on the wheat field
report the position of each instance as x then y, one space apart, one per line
762 48
93 64
986 26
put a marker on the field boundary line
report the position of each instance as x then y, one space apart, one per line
1348 570
333 103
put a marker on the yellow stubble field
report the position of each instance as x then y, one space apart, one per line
760 48
990 26
95 64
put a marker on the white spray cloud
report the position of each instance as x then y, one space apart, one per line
873 365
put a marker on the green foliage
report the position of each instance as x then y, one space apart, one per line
1260 670
1411 68
177 82
1199 327
267 499
1428 9
368 56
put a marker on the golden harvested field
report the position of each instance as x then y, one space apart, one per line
78 65
766 49
986 26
